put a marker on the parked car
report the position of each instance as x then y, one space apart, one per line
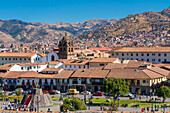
128 95
57 92
45 91
98 93
52 93
87 93
19 89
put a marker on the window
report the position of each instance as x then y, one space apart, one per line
13 58
147 60
117 54
20 58
144 81
136 54
122 54
24 58
153 59
159 54
5 58
2 58
22 68
153 54
18 81
9 58
147 54
127 54
74 66
165 60
159 60
165 54
34 67
131 54
112 54
101 64
142 60
65 66
142 54
70 66
131 58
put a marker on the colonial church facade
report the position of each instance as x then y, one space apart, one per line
66 48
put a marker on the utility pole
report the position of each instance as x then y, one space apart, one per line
85 94
37 105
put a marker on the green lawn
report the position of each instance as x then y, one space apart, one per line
130 103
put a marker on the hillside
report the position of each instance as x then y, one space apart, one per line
133 26
16 30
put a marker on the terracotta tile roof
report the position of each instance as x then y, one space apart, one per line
142 49
54 62
75 62
32 64
101 49
6 66
106 59
42 55
135 64
101 67
133 74
90 73
64 74
2 75
160 65
18 74
114 65
160 71
17 54
51 69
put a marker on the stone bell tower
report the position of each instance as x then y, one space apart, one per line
66 48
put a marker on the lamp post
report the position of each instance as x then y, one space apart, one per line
118 95
85 94
37 105
2 90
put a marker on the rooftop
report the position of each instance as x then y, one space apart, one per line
143 49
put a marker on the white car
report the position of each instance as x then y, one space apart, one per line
57 92
128 95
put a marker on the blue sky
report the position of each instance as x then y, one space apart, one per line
51 11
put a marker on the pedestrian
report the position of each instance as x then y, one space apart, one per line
155 106
148 108
101 108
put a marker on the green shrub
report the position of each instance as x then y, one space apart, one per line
73 104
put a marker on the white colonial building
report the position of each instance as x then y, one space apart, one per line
148 54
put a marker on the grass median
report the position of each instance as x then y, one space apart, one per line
130 103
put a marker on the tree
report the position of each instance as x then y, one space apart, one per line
11 46
21 45
73 104
18 93
2 46
116 87
164 92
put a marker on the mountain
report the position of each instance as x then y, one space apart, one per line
16 30
133 26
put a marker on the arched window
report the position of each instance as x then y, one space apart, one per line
52 58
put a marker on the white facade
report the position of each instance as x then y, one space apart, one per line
75 67
148 57
36 68
13 59
52 56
